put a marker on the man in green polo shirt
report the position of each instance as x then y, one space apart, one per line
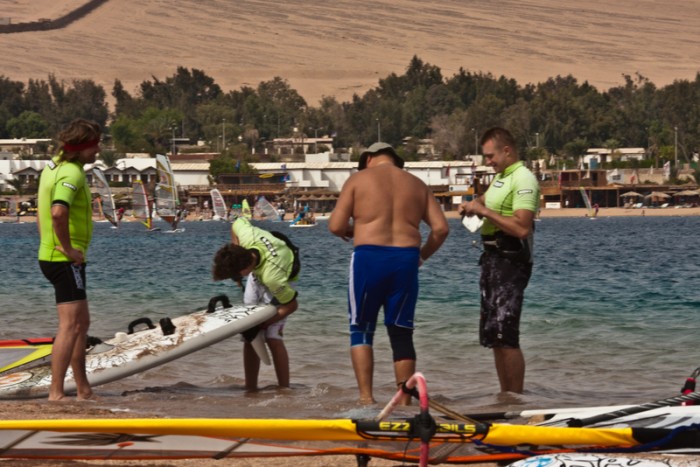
508 209
271 263
64 218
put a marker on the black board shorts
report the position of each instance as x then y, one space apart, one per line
503 282
68 280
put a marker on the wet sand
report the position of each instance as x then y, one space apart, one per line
40 409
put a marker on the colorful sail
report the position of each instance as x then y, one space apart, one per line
105 200
245 209
167 202
264 210
139 204
218 204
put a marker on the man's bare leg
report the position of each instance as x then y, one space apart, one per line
510 366
363 363
404 369
280 358
69 349
251 367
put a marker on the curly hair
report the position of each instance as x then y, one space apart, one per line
77 132
229 261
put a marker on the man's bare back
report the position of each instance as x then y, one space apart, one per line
387 206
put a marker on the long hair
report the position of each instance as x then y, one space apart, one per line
79 131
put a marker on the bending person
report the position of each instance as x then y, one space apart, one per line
272 262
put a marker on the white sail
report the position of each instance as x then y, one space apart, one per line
264 210
586 200
106 201
167 203
218 205
139 204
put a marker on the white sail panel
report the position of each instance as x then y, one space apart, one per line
218 204
264 210
106 199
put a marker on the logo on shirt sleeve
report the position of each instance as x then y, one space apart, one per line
69 186
525 192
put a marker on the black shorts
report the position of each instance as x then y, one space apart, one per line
68 280
503 282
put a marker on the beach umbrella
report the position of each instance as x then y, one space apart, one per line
687 193
630 194
657 194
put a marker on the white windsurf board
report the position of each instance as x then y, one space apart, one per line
604 460
128 354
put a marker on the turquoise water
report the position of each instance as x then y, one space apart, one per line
610 316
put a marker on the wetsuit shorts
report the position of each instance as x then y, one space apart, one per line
503 282
68 280
383 276
256 293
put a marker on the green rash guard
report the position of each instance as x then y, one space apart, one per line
516 188
64 183
276 259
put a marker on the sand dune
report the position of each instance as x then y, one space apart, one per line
344 47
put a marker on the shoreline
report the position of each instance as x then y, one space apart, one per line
544 213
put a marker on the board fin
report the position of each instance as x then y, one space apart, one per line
260 348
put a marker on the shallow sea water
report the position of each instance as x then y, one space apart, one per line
610 317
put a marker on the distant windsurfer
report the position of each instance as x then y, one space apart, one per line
386 205
65 226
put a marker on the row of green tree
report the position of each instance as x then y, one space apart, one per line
559 116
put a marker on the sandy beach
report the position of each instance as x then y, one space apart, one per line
344 48
544 213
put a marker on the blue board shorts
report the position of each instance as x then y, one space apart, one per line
383 276
68 280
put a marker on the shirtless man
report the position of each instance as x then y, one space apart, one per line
386 205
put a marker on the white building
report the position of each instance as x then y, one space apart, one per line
594 157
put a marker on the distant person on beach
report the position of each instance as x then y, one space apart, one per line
508 208
273 262
65 226
381 208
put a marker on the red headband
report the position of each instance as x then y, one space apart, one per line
80 146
